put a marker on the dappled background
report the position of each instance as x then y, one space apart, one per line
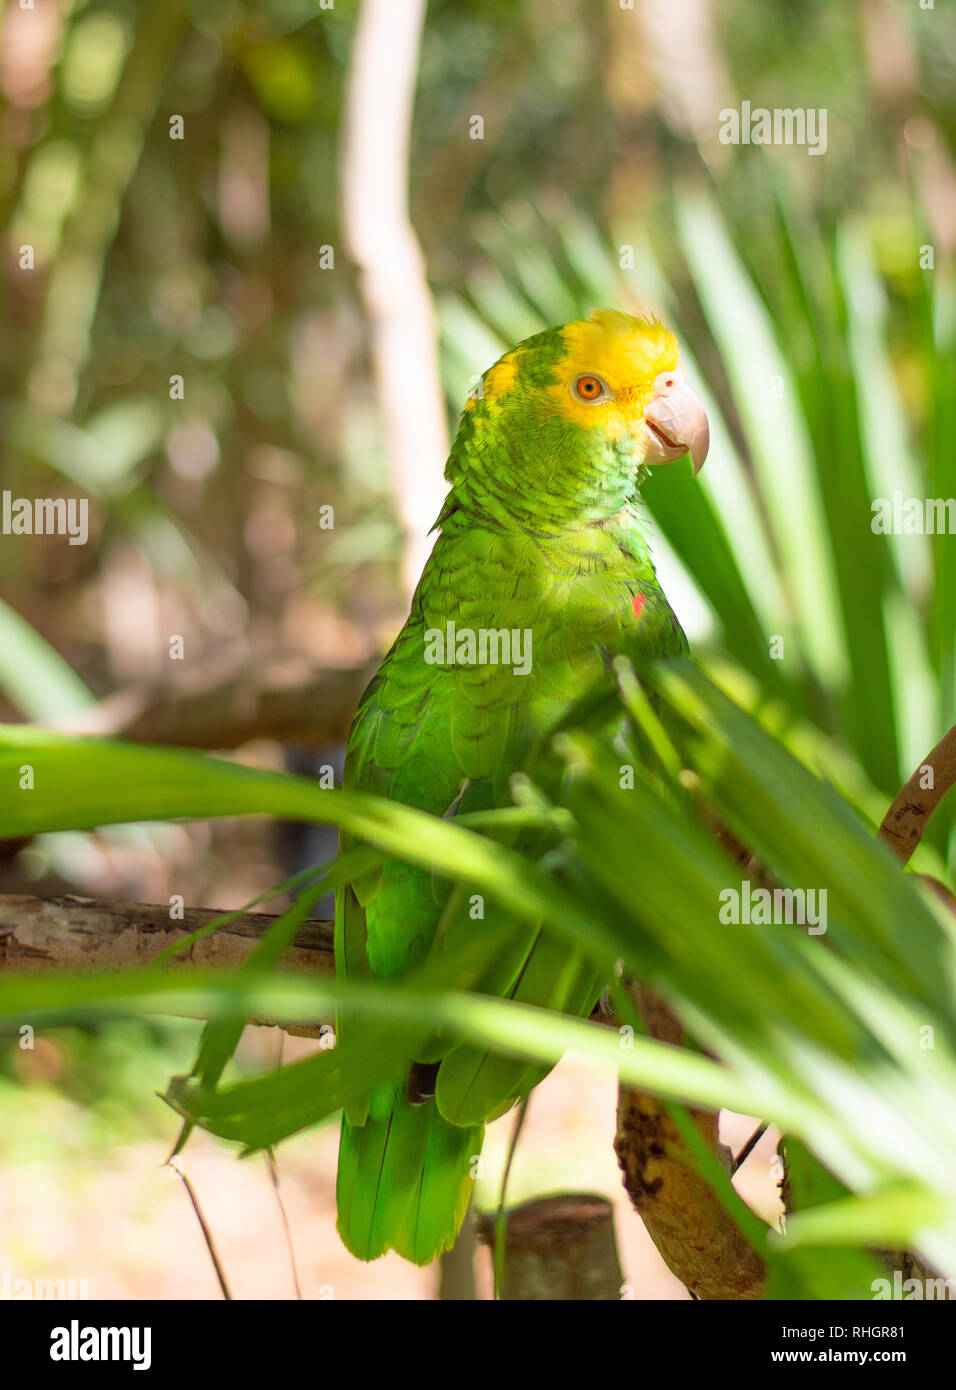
197 257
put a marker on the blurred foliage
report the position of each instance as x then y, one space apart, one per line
199 257
81 1090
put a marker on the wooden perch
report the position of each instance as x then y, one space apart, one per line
38 934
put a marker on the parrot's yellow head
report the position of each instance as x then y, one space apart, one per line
572 414
615 368
606 376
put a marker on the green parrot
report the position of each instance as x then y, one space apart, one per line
540 574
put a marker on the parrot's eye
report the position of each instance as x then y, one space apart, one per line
590 388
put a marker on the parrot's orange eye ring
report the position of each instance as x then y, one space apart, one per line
590 388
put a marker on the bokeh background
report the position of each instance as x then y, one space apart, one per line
193 189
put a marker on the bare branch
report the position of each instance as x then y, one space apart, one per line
42 934
903 824
39 934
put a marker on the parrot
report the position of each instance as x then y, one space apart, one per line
539 576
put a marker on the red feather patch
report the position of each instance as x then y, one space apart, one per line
637 603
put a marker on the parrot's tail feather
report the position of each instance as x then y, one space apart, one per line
404 1182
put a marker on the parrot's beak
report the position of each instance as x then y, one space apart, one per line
676 423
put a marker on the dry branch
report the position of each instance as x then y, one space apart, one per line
69 933
39 934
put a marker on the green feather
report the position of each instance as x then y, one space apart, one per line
475 1085
404 1182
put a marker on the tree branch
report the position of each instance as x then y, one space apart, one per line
903 824
69 933
693 1230
38 934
